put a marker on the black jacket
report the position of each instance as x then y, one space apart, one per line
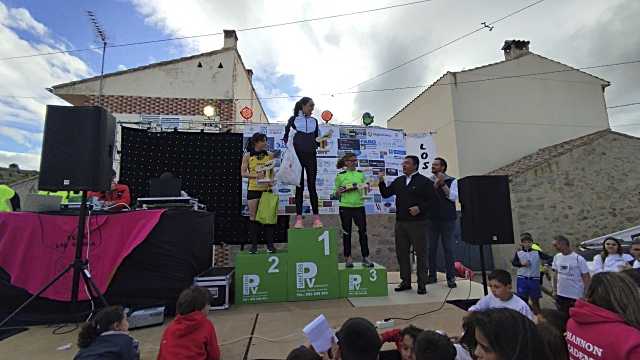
302 142
419 193
116 346
15 202
443 208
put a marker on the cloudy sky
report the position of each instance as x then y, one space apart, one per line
313 58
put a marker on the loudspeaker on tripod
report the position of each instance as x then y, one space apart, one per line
486 210
77 149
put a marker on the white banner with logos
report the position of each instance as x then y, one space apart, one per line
378 150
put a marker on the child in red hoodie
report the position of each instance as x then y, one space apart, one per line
607 324
190 336
404 340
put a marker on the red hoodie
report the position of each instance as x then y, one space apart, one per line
189 337
392 336
597 333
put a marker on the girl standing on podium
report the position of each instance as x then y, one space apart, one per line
305 145
349 187
257 166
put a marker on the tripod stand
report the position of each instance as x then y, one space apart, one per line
79 267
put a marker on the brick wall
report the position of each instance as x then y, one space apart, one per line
591 191
163 106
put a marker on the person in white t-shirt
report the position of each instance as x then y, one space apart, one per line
571 275
502 296
635 251
612 258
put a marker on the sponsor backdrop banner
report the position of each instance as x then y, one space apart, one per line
378 150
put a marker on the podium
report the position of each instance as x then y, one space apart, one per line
361 281
261 277
308 270
313 264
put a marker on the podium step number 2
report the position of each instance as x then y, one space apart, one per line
261 277
313 264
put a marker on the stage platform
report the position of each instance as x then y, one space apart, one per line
282 322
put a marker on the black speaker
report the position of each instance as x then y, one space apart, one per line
486 210
77 149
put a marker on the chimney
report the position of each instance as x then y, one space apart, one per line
230 39
514 49
250 74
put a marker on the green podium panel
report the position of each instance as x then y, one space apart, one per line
313 264
361 281
261 277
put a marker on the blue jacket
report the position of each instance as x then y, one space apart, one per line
112 345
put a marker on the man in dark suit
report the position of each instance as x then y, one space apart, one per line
414 196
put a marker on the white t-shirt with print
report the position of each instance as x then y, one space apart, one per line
492 302
533 258
570 269
613 263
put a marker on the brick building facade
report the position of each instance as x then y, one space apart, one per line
177 88
125 104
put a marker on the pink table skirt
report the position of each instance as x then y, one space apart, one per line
34 248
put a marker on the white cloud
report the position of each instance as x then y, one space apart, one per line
26 161
332 55
21 117
20 19
122 67
30 139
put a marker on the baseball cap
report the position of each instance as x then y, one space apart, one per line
358 339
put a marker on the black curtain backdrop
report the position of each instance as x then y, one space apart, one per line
207 163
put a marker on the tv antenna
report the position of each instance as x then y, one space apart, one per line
101 37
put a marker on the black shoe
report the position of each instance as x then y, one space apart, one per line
271 250
367 263
402 287
422 290
348 263
452 284
253 250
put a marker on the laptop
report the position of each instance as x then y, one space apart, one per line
41 203
168 187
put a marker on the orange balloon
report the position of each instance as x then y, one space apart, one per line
246 113
327 115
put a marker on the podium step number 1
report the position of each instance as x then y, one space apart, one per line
313 264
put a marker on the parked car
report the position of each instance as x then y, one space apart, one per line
589 248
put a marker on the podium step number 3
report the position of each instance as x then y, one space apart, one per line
360 281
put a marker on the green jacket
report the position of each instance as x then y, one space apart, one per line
6 193
351 198
65 195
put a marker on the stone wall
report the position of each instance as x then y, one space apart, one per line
591 191
379 230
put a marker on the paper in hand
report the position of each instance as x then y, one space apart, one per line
319 334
